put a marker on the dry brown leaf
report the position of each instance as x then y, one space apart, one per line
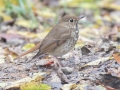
117 57
9 54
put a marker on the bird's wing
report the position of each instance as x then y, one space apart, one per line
55 38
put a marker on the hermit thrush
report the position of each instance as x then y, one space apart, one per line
61 38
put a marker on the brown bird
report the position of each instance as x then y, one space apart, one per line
61 38
59 41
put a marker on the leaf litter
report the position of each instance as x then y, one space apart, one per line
89 66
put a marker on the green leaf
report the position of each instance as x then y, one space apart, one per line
34 86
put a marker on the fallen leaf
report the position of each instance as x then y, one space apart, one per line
11 37
34 86
116 56
109 4
96 62
27 34
28 46
2 60
81 87
46 13
85 50
16 84
67 86
5 17
2 56
9 54
2 84
26 23
109 82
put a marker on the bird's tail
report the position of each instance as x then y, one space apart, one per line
39 55
29 51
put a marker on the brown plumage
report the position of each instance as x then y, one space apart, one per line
61 38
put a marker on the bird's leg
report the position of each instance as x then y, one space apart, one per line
58 62
62 76
58 68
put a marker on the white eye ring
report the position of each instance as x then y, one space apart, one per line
71 20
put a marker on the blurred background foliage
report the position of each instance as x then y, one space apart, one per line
40 15
29 10
33 11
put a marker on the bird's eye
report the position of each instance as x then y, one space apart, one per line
71 20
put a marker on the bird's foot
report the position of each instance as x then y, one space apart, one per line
58 69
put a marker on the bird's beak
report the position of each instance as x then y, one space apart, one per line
80 17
